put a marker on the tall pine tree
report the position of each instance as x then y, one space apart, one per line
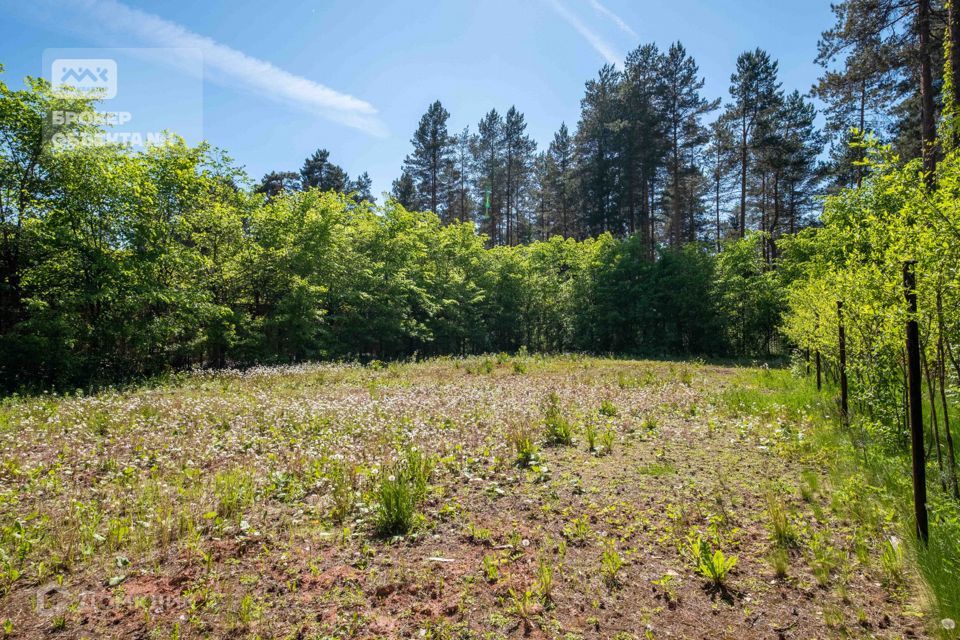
756 93
428 164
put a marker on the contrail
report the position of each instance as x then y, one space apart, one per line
595 41
111 21
617 20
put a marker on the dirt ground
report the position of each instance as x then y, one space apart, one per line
242 505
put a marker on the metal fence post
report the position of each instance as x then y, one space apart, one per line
914 393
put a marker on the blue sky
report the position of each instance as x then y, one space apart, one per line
281 79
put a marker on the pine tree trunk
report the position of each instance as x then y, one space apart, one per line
743 184
927 131
717 197
863 124
775 222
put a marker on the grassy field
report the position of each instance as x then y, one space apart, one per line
498 497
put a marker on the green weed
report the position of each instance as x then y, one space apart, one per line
577 531
710 563
781 528
824 558
524 446
607 438
402 487
656 469
234 490
608 409
610 565
780 561
558 428
545 580
590 434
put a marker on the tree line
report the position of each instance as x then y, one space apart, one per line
663 223
642 160
119 265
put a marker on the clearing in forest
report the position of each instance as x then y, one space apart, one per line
561 497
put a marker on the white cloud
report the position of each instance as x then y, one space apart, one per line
595 41
109 21
617 20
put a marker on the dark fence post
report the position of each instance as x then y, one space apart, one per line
914 393
819 381
844 401
817 354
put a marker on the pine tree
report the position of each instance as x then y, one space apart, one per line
597 155
879 77
488 163
561 184
802 175
319 173
277 182
542 197
786 151
643 141
361 188
858 97
684 108
518 150
756 92
428 163
404 191
460 206
721 157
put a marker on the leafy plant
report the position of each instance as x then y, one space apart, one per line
650 424
657 469
491 568
400 491
523 607
824 558
478 535
665 584
610 565
481 366
545 580
234 490
590 433
781 528
891 561
607 408
558 428
577 531
343 488
780 561
710 563
524 446
607 438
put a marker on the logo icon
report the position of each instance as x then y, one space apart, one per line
94 76
52 599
